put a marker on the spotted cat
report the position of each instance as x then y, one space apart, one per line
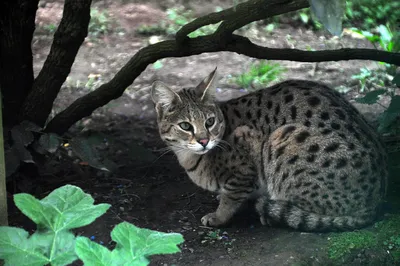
307 156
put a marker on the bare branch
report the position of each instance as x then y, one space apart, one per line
238 16
85 105
67 41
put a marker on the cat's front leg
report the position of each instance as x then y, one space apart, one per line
227 207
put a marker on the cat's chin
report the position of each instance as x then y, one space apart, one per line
202 152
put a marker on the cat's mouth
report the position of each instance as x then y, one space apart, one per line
201 150
205 150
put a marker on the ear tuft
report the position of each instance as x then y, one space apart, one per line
206 89
162 95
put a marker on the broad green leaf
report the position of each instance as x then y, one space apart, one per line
128 257
16 249
386 35
50 142
29 126
65 208
34 210
371 97
58 247
93 254
304 18
23 154
396 80
82 148
330 13
21 136
145 242
74 206
390 115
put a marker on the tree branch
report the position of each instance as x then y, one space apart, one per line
68 39
240 15
85 105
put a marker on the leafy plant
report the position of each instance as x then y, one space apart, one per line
99 22
53 242
259 75
177 16
372 78
306 17
368 13
29 140
388 120
387 39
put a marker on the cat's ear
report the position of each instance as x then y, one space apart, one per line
207 87
162 95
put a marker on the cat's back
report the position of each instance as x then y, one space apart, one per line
319 117
309 103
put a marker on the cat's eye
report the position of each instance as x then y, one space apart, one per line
210 121
185 126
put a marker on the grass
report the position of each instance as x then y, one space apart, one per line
384 234
259 75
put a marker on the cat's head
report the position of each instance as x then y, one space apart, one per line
189 120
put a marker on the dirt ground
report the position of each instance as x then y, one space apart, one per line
150 189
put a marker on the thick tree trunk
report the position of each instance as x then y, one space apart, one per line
17 24
68 39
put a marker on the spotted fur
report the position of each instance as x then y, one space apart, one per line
300 148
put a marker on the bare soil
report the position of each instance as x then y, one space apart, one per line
157 194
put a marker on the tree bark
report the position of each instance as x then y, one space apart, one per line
17 24
3 182
68 39
85 105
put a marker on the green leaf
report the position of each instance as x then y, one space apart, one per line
58 247
21 136
82 148
396 80
65 208
29 126
50 142
158 64
93 254
330 13
385 33
390 115
304 17
16 249
33 209
145 242
371 97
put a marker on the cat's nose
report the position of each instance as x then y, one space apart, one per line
203 142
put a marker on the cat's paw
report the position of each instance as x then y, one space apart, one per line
246 133
265 221
212 220
242 132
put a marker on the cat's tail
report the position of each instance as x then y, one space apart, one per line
285 213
